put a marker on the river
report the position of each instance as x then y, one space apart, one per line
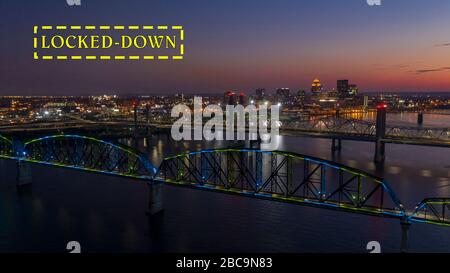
107 213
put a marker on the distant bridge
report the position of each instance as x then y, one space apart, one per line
354 129
327 127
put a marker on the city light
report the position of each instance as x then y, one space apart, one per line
382 106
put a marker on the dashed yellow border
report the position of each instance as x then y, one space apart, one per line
108 57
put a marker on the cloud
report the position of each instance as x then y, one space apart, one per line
444 44
421 71
391 66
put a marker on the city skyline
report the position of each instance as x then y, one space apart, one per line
240 46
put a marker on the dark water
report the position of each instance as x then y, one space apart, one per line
107 214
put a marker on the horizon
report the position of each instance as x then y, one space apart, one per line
193 93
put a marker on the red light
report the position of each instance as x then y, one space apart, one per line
382 106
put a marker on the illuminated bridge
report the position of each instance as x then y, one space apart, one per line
86 153
335 127
284 177
355 129
272 175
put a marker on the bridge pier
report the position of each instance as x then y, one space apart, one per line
420 118
405 234
380 133
147 120
23 177
379 151
155 202
135 105
135 125
336 144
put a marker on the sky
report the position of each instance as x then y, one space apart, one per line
400 46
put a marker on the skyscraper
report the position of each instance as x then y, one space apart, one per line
316 87
343 88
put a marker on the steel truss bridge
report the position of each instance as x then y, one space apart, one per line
273 175
80 152
355 129
326 127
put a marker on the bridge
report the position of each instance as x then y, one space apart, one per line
271 175
335 127
282 176
359 130
325 127
86 153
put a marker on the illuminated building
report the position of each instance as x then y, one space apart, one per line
333 93
243 99
316 87
346 90
352 90
366 102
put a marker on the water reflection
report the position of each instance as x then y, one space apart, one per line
394 169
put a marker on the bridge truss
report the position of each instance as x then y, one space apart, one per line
359 128
88 154
432 210
283 176
6 147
